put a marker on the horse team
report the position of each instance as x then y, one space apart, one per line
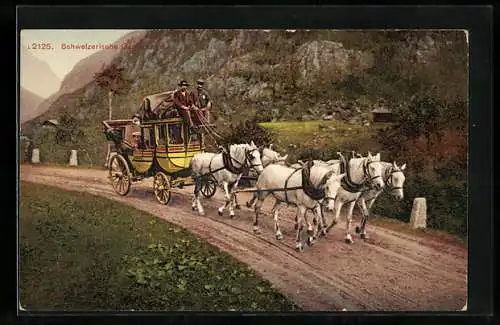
316 186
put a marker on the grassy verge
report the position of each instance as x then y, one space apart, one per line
83 252
323 134
403 227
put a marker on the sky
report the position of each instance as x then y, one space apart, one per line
63 60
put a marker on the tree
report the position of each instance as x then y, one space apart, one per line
111 78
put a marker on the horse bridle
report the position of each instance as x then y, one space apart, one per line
389 178
248 158
326 199
367 170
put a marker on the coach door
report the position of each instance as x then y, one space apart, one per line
143 155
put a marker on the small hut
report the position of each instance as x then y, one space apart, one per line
382 115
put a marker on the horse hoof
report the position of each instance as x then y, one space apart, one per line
238 207
349 241
299 247
219 212
232 216
194 208
256 230
358 229
310 241
296 226
363 236
202 214
248 205
279 237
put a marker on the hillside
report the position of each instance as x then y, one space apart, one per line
275 75
28 102
84 70
31 66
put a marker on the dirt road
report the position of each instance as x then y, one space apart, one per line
390 271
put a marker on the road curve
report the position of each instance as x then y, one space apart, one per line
389 272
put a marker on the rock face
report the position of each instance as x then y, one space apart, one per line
282 74
318 57
84 70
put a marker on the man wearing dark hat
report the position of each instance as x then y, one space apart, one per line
183 103
201 100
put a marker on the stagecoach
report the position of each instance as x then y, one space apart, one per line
163 150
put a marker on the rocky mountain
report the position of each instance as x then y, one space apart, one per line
84 70
279 74
28 101
272 75
36 75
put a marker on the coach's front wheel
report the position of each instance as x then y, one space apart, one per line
119 174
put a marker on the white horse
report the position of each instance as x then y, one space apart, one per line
362 173
268 157
287 186
226 168
394 180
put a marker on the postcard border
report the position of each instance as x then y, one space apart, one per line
476 19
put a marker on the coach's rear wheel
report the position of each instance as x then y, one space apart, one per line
119 174
208 187
161 187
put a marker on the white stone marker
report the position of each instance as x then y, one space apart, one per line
35 156
73 159
418 217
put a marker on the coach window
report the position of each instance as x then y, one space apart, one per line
147 137
162 135
194 139
175 134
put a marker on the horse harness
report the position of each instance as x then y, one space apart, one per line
347 183
229 165
315 193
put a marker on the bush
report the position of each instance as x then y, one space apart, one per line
247 131
436 155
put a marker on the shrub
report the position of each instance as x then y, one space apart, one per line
247 131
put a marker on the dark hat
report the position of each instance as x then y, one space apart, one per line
200 81
183 83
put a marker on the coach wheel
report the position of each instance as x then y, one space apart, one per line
208 187
119 174
161 187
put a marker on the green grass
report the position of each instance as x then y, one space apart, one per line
84 252
403 227
324 135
